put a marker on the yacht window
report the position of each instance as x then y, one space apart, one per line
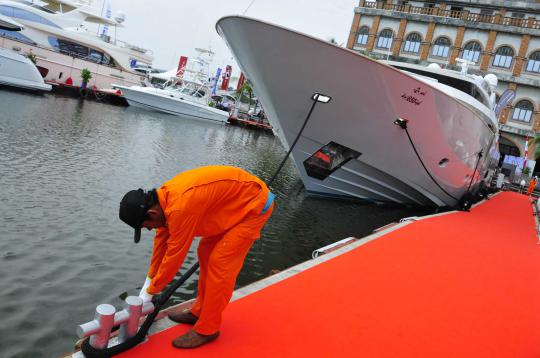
69 48
412 43
503 57
107 60
25 15
363 35
15 35
523 111
95 56
441 46
385 38
533 65
471 51
328 159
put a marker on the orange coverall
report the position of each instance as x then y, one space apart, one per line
532 185
222 205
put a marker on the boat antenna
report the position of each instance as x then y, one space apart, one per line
316 98
247 8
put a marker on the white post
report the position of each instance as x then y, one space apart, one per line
134 306
105 318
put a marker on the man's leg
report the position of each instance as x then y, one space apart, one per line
206 246
224 265
190 316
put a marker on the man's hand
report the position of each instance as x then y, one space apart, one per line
146 297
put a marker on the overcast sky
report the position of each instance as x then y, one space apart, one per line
173 28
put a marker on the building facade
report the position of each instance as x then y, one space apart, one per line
499 37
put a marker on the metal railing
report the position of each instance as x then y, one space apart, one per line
529 23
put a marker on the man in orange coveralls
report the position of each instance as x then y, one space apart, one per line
227 207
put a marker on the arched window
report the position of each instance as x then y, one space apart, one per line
533 65
385 38
363 35
471 51
503 57
441 47
412 43
523 111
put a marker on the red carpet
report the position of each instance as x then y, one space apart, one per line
458 285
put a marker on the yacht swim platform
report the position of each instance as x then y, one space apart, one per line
456 284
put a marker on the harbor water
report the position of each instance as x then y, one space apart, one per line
64 166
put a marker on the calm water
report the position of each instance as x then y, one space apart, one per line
64 166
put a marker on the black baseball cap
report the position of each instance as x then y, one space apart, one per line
133 208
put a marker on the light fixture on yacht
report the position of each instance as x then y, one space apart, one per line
319 97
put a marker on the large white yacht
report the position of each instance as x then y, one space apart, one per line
56 32
359 128
188 95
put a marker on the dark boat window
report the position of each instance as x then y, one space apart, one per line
328 159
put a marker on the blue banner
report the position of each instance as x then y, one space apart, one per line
216 79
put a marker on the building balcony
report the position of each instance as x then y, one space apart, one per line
497 22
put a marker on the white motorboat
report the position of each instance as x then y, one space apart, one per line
185 96
60 34
15 69
385 132
172 100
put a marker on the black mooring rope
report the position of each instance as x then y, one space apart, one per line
159 301
403 124
480 154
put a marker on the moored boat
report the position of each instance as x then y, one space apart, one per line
17 70
388 132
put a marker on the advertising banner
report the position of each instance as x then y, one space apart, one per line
216 79
241 81
226 78
181 66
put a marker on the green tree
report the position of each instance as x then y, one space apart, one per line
86 75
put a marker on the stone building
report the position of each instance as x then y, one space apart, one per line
500 37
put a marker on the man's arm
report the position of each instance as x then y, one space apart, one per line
160 246
182 227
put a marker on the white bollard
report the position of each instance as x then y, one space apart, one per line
100 328
134 308
105 320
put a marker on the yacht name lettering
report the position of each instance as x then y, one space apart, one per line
411 99
418 90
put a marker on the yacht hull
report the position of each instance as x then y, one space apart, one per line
18 71
437 166
142 97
